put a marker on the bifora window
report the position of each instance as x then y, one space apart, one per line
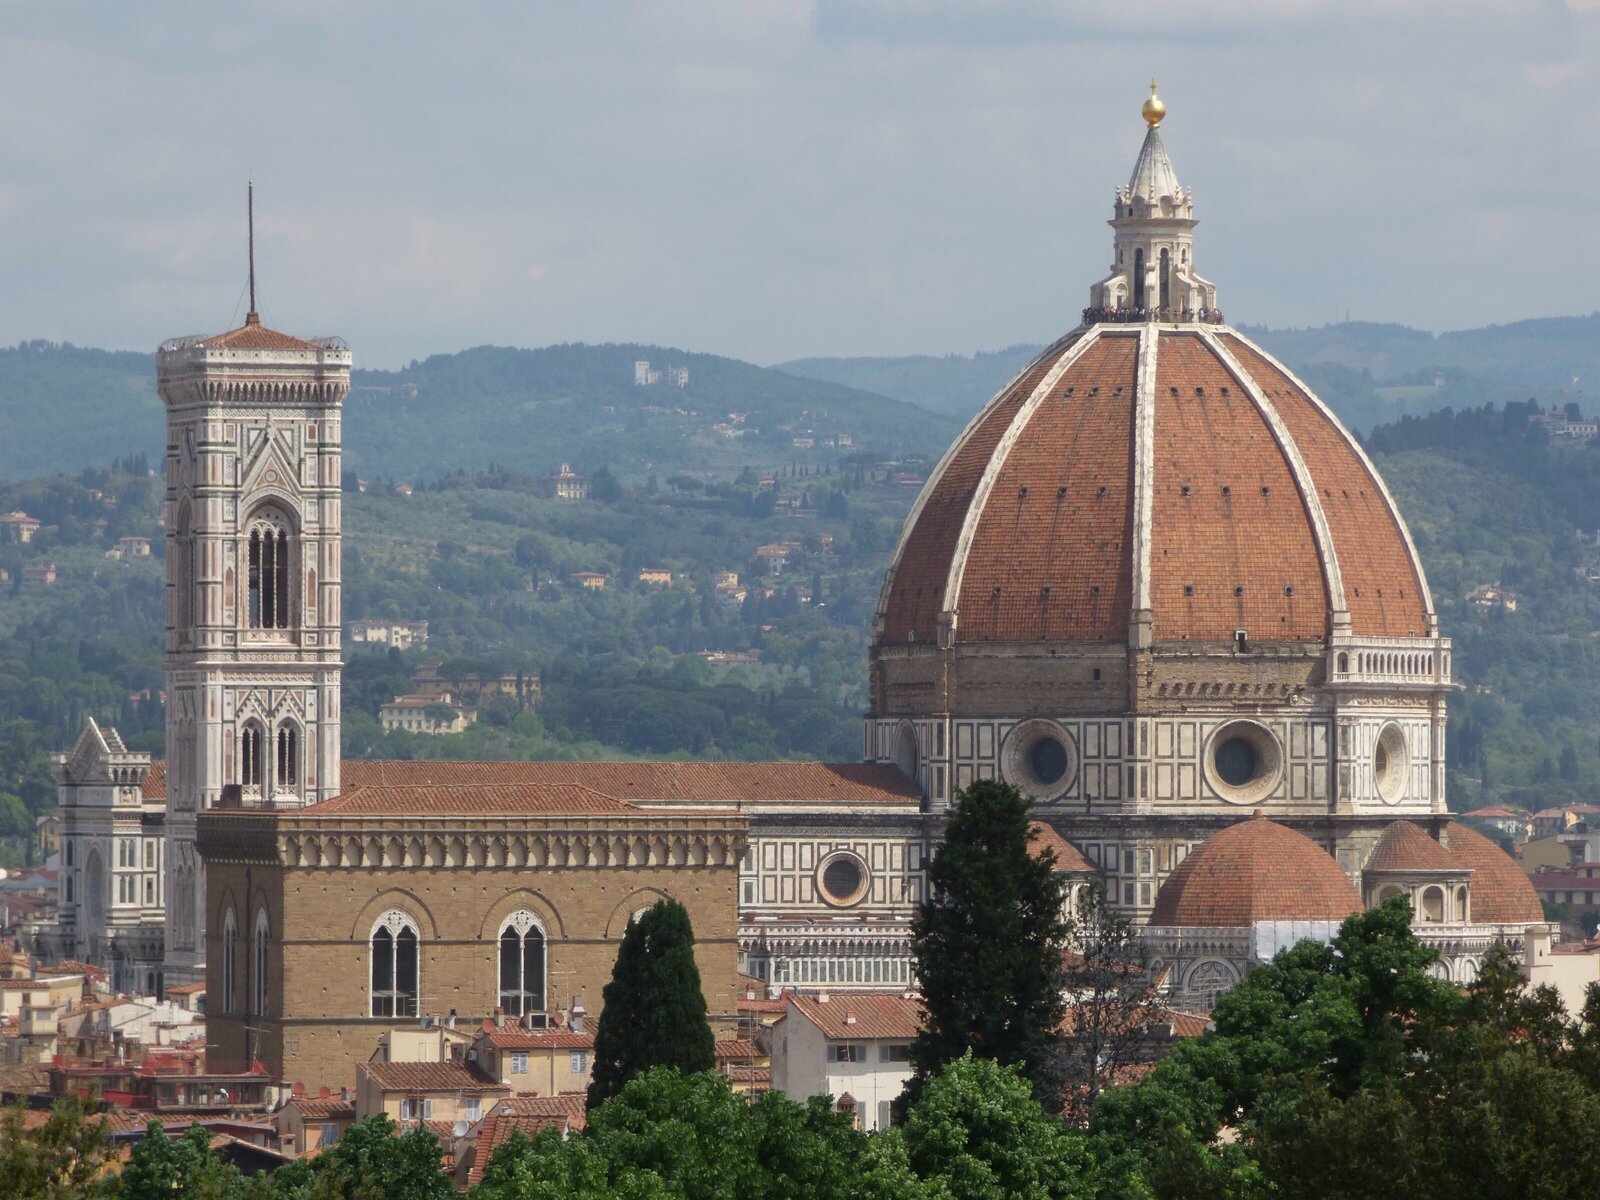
250 756
288 756
394 965
521 965
269 571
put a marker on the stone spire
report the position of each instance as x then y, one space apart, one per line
1152 267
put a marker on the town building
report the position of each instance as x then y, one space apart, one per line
855 1047
538 1062
410 1093
593 581
43 573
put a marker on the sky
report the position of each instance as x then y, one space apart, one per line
769 179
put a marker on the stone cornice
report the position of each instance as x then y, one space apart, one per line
298 839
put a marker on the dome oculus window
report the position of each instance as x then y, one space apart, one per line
1039 757
1243 762
1390 764
842 879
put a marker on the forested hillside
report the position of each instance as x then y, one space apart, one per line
64 409
1370 374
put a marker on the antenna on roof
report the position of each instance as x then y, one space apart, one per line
250 208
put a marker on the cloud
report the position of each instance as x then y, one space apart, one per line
777 179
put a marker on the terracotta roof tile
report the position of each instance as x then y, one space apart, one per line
1405 847
253 335
639 782
1381 581
850 1016
324 1108
467 799
514 1038
572 1106
1231 542
155 781
1051 557
431 1077
1069 859
1254 871
914 589
1499 893
496 1129
734 1048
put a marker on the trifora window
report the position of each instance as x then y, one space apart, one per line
269 547
521 965
394 965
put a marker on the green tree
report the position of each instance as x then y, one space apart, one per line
369 1162
988 942
976 1133
654 1011
162 1167
1106 978
59 1160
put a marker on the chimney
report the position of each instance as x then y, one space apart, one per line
849 1017
822 997
499 1017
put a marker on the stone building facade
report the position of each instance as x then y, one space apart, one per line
330 925
111 905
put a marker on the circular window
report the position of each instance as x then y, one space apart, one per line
1389 764
842 879
1244 762
1040 758
1237 762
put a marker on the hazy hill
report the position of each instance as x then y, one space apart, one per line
531 409
63 408
1369 373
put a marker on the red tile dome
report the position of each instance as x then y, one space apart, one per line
1257 870
1405 847
1175 470
1501 892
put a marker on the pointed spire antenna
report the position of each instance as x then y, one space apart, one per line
250 214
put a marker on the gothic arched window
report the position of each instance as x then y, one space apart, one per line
522 949
250 756
230 961
288 757
269 558
258 985
394 965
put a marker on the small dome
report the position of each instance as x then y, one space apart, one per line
1405 847
1502 893
1257 870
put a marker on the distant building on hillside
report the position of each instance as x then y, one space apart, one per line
18 527
644 375
46 573
655 575
402 635
1492 595
595 581
425 714
566 484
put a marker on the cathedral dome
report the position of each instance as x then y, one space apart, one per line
1405 847
1254 871
1172 473
1502 893
1154 475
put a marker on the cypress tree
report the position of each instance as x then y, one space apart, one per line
988 943
655 1012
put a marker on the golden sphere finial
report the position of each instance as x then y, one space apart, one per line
1153 109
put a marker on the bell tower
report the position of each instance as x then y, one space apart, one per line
253 518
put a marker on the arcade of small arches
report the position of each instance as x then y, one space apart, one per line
485 849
